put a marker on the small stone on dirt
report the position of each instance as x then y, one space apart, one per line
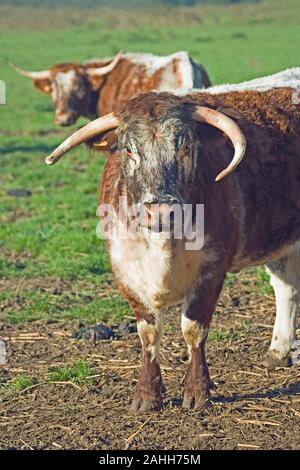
127 327
57 291
235 301
96 333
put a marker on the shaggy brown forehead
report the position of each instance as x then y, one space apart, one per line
154 118
153 105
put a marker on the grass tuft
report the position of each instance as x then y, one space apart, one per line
233 334
20 383
78 373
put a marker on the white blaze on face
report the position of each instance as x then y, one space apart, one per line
63 84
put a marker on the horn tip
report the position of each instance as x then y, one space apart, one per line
49 160
220 176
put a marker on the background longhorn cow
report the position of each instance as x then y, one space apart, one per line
97 87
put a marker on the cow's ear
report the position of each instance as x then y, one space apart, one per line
103 143
96 82
44 85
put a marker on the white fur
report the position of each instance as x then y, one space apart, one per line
65 80
150 336
287 295
159 274
169 80
193 333
153 63
286 78
286 312
186 70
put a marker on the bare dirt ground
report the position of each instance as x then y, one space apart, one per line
251 409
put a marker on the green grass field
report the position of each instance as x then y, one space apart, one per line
52 234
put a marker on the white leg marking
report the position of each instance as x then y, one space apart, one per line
150 336
287 299
193 333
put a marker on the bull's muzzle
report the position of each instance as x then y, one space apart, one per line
63 118
160 215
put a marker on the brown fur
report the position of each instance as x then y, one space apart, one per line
127 80
197 379
149 388
251 217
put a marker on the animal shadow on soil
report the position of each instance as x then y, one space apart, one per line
292 389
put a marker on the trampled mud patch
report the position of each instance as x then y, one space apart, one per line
251 409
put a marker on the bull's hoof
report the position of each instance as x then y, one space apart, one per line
149 390
271 361
196 400
145 405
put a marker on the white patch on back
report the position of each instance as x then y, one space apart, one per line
287 78
153 63
169 81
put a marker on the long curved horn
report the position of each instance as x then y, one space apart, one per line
231 129
34 75
100 71
92 129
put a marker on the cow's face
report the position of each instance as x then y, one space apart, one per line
158 163
70 92
71 85
69 89
158 160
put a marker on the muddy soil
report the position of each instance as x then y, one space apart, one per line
251 409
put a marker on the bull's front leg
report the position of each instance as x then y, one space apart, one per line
196 383
149 388
195 323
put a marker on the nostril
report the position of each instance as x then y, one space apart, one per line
62 117
173 202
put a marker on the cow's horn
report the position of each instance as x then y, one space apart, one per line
43 74
231 129
100 71
92 129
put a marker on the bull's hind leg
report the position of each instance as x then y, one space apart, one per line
285 279
149 388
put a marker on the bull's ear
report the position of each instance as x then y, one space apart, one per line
103 143
44 85
96 82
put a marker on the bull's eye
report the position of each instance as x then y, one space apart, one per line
128 151
183 151
132 161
